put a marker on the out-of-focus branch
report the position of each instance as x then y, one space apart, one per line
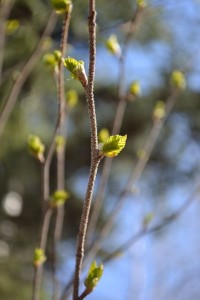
135 176
10 103
5 8
122 103
61 152
151 229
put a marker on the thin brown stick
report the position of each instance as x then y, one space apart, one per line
43 240
81 238
61 153
10 103
119 115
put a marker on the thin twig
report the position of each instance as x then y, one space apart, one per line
9 105
119 115
61 152
43 240
46 189
81 238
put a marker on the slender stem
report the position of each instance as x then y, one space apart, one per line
81 238
43 240
117 123
9 105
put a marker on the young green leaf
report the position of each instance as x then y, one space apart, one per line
112 146
60 142
94 275
76 68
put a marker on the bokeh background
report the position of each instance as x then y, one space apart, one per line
163 265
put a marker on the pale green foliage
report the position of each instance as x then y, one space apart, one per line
52 59
148 219
94 275
39 257
59 197
112 146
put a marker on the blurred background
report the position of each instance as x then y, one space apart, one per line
163 265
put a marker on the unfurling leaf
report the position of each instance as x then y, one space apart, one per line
113 46
94 275
178 80
76 68
112 146
39 257
59 197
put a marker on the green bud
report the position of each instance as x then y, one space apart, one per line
135 88
178 80
148 219
112 146
50 60
94 275
103 135
113 46
39 257
141 3
12 26
36 147
159 111
76 68
141 154
58 56
71 98
60 142
61 6
59 197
